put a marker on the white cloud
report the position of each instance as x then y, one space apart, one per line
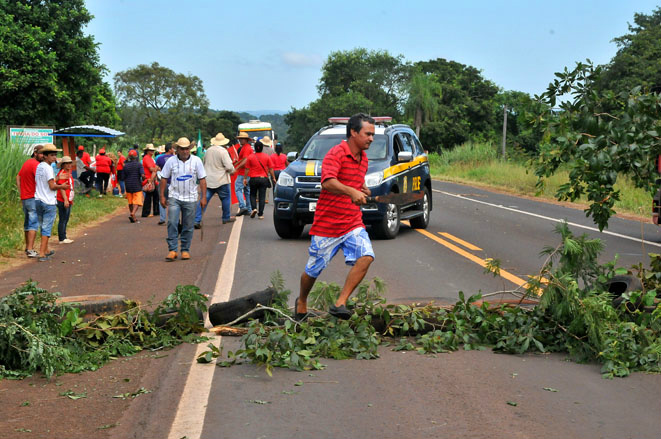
295 59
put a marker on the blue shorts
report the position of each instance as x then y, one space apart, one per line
30 213
354 245
46 216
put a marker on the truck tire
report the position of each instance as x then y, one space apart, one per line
422 221
96 303
388 227
287 229
621 284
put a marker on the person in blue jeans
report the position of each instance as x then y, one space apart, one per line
218 166
184 171
160 163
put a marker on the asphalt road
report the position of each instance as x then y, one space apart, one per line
462 394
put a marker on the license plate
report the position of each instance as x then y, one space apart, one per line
312 207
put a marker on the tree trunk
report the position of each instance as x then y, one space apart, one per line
418 121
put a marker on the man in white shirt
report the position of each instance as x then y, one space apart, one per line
184 171
218 166
45 197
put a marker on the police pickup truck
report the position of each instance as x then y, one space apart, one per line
397 163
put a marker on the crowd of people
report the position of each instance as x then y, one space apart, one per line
174 185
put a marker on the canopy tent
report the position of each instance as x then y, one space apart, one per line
68 134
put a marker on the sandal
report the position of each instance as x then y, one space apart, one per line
132 219
301 316
341 312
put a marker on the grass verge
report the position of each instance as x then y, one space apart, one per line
478 163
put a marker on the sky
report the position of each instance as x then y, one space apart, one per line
261 55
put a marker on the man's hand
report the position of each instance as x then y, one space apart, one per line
366 190
203 202
164 202
66 204
358 197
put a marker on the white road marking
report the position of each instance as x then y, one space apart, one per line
189 419
594 229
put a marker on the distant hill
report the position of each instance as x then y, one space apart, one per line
259 113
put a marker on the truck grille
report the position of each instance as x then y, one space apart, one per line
308 179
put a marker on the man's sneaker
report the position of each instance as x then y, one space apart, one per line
172 255
261 217
253 213
185 256
160 223
242 211
32 253
196 226
50 253
66 241
231 220
44 259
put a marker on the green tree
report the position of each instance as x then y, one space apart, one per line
214 122
424 95
522 111
638 58
50 71
465 107
595 145
159 104
352 81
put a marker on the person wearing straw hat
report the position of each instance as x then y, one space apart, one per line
151 186
219 167
183 170
241 185
168 153
46 199
64 198
25 180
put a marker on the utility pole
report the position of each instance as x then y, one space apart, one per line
504 131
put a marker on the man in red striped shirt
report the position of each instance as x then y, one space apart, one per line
338 220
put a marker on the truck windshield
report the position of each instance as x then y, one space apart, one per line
259 134
318 146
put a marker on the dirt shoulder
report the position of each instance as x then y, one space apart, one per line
112 256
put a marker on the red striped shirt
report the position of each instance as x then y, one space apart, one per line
336 215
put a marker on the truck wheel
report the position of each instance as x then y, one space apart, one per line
97 303
388 227
422 221
287 229
621 284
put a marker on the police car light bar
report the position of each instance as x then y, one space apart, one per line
345 120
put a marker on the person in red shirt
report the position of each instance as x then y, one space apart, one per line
259 171
241 186
151 196
278 162
26 187
86 157
338 221
64 198
103 170
120 171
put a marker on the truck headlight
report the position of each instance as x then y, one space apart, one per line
372 180
285 179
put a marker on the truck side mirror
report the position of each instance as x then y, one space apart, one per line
291 156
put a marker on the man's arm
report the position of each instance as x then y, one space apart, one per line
54 186
203 192
161 193
18 182
334 186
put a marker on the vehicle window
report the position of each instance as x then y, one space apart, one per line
318 146
405 142
418 146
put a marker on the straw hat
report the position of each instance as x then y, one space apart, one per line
266 141
243 135
49 147
161 149
65 159
149 147
220 140
183 142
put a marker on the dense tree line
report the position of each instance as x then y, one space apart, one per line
50 73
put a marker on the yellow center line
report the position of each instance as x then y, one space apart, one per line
503 273
468 245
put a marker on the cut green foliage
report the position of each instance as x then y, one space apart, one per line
36 334
575 314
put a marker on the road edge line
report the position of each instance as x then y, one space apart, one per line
191 410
